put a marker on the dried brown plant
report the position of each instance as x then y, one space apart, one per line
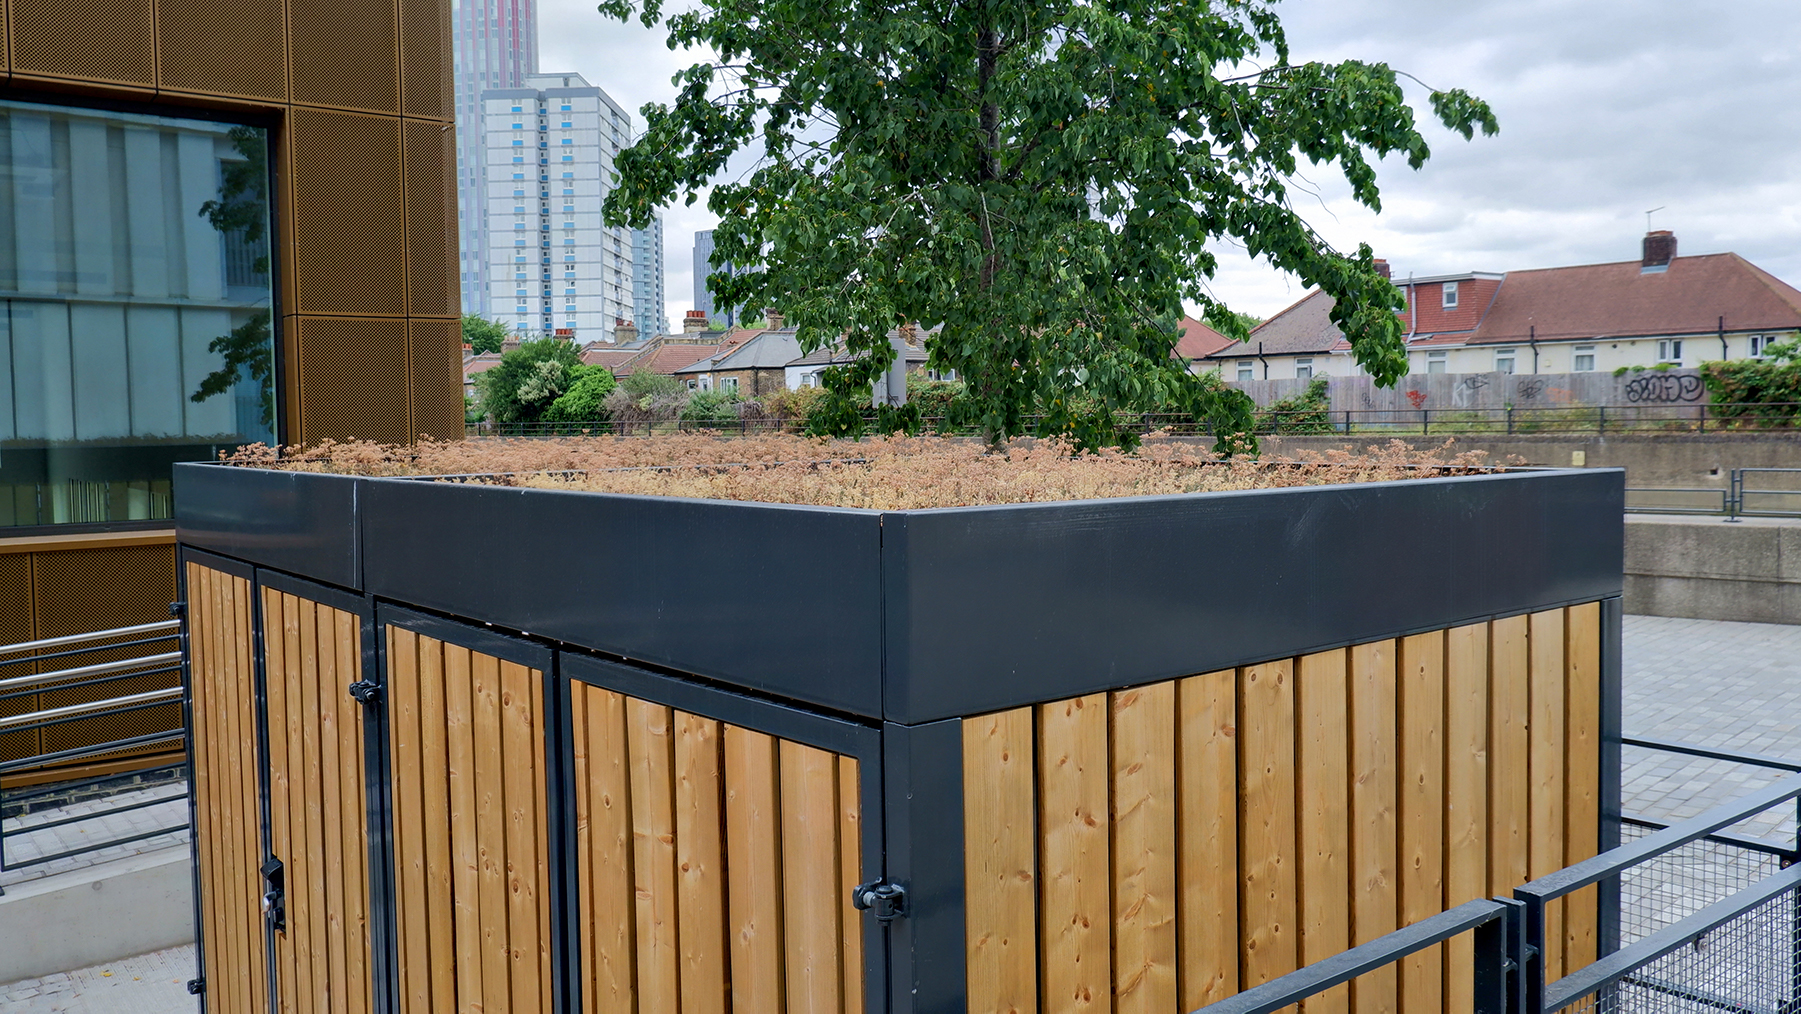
896 473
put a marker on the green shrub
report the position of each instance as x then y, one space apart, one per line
1308 412
585 400
711 406
1758 393
522 386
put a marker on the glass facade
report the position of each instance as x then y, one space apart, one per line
136 326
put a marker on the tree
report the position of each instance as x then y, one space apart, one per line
522 386
585 399
242 207
482 334
1042 179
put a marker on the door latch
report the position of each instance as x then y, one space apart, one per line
366 692
275 905
196 987
885 898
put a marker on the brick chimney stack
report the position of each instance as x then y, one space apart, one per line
1660 249
1382 268
694 322
625 332
772 318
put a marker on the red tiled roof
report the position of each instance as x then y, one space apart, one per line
612 359
1305 326
670 358
1198 340
1598 300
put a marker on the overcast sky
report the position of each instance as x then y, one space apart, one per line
1608 108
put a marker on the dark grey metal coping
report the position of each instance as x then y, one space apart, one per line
914 616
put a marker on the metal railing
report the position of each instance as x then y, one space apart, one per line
1737 499
11 688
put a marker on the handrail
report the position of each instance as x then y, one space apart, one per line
1623 962
98 669
56 642
1737 841
1385 950
1613 861
1710 753
129 701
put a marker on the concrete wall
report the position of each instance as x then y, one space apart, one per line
1452 392
1712 569
102 913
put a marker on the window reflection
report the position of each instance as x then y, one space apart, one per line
135 332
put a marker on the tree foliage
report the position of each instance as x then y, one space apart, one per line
242 207
483 335
1042 179
527 380
1759 392
586 396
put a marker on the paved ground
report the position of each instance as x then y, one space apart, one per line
25 845
1734 685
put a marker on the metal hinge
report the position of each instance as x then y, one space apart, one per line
275 905
885 898
178 609
366 692
196 987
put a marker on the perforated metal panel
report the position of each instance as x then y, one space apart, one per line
349 236
346 54
436 347
431 241
15 626
425 84
82 590
353 379
107 41
245 56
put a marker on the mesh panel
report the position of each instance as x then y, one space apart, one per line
243 55
345 54
352 379
15 626
431 241
1749 964
1684 881
94 40
349 241
82 590
425 86
437 378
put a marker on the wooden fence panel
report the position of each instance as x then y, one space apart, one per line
1466 795
1582 814
471 844
1207 837
713 864
1001 863
227 831
317 806
1074 865
1267 847
1322 771
1420 685
1374 838
1143 734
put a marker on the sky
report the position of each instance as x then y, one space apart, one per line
1607 108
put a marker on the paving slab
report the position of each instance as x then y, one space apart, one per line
154 983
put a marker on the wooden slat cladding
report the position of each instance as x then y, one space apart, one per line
227 832
713 864
317 804
471 847
1161 847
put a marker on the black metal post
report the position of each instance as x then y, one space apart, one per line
1601 424
1532 956
1425 421
1612 722
1491 967
922 789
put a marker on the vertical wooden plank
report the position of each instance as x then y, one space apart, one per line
541 831
297 870
348 643
311 891
1466 796
435 815
276 681
331 779
238 897
404 647
465 856
1074 921
850 874
1000 868
1582 839
1143 733
1374 773
200 733
1508 713
490 832
1207 836
1421 690
1322 777
584 833
223 889
1266 807
811 927
753 829
653 854
521 764
1546 762
699 864
612 925
243 626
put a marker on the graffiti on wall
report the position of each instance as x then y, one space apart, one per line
1665 389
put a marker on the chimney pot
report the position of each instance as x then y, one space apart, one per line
694 322
1659 249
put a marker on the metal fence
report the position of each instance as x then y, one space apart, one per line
103 797
1748 493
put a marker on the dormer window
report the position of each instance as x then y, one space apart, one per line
1450 295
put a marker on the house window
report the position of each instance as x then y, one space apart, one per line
1760 345
729 385
1669 350
1245 371
1504 359
1583 359
1303 368
1435 362
1451 296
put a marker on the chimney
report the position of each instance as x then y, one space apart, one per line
1382 268
1660 249
695 322
625 332
772 318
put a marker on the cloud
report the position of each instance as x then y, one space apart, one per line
1607 108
